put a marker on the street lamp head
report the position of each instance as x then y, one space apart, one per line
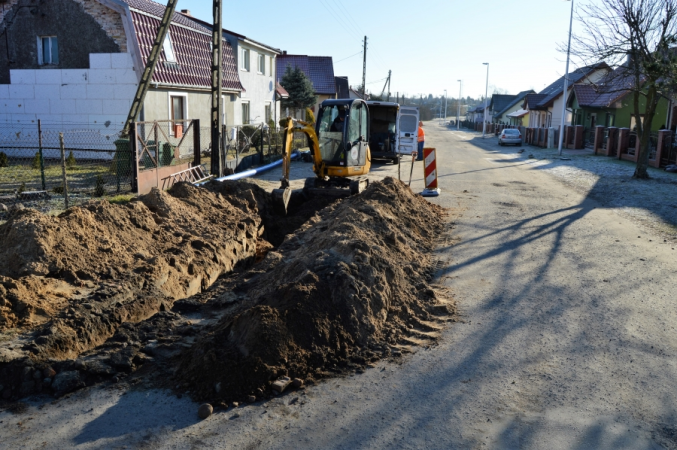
486 64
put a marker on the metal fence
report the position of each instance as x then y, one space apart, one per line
53 166
48 164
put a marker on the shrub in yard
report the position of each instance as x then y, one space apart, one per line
35 164
3 160
71 163
99 189
21 189
57 189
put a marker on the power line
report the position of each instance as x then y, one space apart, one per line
348 57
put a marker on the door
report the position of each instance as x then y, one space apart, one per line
358 130
407 122
593 121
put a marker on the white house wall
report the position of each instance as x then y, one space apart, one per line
259 88
100 95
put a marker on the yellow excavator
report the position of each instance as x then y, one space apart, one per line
339 146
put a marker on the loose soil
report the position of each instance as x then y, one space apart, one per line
346 289
207 290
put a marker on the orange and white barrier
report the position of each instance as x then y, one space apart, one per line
430 173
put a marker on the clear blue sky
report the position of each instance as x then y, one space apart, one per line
428 44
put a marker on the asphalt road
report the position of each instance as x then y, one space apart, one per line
566 340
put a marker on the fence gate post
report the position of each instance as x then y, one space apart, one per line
42 160
133 148
196 142
63 169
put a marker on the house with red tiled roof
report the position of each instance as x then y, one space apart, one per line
610 103
81 62
319 69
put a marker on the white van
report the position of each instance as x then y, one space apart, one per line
393 130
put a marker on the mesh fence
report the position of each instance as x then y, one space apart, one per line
35 160
99 161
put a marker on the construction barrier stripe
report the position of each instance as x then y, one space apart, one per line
430 168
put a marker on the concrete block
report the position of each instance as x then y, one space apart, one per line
37 106
11 106
4 91
74 91
80 119
74 76
22 76
61 106
21 91
26 118
125 76
113 120
88 106
4 118
48 76
281 384
99 61
121 61
125 91
101 91
102 76
120 107
47 91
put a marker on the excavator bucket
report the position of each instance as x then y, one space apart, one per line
281 200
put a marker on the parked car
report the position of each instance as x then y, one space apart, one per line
510 136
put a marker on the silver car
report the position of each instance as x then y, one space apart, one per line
510 136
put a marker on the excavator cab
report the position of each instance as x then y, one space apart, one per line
342 130
339 144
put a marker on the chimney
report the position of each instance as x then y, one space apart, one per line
186 12
284 52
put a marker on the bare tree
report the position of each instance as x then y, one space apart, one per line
637 38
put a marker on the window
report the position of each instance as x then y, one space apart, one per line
244 59
269 115
178 107
270 66
167 47
245 113
48 50
262 64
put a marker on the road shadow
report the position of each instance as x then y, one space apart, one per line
613 185
139 415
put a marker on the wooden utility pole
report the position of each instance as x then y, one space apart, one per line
364 70
217 84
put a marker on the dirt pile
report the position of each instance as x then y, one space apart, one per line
178 242
68 283
348 288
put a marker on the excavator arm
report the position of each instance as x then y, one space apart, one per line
290 125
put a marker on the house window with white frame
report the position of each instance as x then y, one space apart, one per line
169 50
262 64
245 113
270 66
48 50
244 59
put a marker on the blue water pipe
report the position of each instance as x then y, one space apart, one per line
256 171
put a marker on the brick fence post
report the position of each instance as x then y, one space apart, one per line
611 146
623 141
579 137
599 138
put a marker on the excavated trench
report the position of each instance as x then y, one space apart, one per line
207 290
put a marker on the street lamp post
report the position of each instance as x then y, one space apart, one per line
486 93
445 107
458 105
566 84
